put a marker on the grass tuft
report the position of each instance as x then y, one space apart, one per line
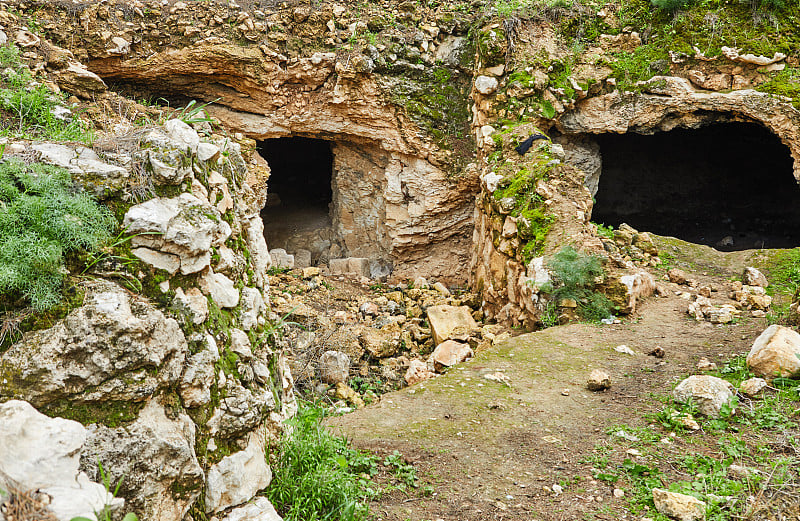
318 476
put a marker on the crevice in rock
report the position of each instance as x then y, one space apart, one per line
730 186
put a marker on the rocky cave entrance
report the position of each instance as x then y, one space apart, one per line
297 215
730 186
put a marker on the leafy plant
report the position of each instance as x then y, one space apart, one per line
31 110
318 476
193 113
42 218
576 275
404 472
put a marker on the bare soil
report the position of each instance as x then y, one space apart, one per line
487 450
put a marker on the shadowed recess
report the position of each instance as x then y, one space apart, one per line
299 189
730 186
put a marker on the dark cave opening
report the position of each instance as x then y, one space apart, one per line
730 186
297 213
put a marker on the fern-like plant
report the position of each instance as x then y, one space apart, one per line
575 275
42 217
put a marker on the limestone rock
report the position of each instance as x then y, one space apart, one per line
343 392
667 86
281 259
334 367
238 477
752 387
85 165
418 372
713 82
754 277
220 288
449 322
153 458
38 452
258 510
183 225
677 276
259 253
25 38
776 353
380 343
626 291
486 84
159 260
449 353
77 79
242 409
709 393
252 307
207 152
114 347
599 380
191 303
240 344
678 506
195 385
182 135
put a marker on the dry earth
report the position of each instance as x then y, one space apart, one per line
489 449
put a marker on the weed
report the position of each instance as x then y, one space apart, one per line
41 219
31 110
605 231
318 476
405 473
106 513
193 113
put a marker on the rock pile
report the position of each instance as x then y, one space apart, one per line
742 297
398 335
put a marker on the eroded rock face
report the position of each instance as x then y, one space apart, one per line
184 227
153 458
114 347
238 477
627 112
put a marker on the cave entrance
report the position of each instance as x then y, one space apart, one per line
730 186
297 214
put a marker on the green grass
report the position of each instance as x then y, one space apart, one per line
43 218
318 476
27 107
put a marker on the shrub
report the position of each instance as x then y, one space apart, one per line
575 275
318 477
43 217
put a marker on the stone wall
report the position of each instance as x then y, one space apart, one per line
165 357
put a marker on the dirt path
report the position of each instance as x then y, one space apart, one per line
489 449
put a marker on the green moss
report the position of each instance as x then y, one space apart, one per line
784 83
533 223
227 363
439 103
72 298
111 414
491 47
